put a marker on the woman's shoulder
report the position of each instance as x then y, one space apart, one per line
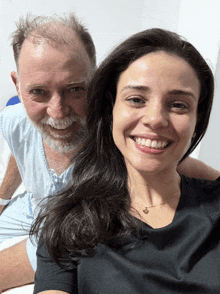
203 193
201 187
201 183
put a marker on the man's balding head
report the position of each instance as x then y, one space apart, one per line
55 30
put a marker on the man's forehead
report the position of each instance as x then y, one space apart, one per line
42 53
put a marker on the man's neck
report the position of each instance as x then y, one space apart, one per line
58 161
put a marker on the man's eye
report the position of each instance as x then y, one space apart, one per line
38 92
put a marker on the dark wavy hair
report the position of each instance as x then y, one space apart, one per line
94 208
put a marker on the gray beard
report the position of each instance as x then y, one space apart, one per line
57 144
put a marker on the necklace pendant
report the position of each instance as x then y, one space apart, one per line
146 210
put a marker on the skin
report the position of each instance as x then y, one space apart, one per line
155 112
163 109
51 82
157 98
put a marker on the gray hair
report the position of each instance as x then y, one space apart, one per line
41 26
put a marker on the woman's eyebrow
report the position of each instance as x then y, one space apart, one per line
146 89
136 87
183 93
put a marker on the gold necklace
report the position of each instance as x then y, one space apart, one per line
146 208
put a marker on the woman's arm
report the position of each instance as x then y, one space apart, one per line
195 168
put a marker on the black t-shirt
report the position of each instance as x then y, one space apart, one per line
183 257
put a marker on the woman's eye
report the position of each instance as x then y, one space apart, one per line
179 106
137 101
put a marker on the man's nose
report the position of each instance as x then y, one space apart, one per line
57 107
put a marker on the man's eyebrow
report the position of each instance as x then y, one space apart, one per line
33 86
43 86
77 82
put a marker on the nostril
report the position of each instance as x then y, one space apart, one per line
58 112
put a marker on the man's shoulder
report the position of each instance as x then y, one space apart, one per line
13 119
13 112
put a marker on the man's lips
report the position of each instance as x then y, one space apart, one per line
60 131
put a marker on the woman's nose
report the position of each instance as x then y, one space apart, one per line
155 116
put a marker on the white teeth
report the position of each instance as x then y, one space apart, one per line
148 143
142 142
164 144
154 144
60 124
159 145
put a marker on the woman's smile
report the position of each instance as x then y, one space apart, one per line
156 144
155 111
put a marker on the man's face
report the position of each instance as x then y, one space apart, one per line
52 85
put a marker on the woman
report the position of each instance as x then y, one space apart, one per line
128 223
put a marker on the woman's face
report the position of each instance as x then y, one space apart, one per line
155 112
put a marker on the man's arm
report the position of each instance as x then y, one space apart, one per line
15 267
11 181
195 168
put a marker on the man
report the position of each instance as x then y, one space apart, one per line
55 60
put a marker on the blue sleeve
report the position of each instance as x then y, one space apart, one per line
10 124
50 276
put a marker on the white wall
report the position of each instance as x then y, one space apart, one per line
108 21
111 21
210 147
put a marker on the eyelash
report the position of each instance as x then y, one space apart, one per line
176 106
183 105
78 89
40 92
36 90
136 101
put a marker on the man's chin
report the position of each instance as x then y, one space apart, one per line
63 144
60 145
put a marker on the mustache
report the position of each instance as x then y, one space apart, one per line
61 123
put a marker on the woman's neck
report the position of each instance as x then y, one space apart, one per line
154 198
150 187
